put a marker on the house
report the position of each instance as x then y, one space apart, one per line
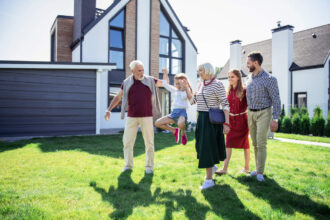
147 30
300 61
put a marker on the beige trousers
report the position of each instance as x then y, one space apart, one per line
259 123
131 128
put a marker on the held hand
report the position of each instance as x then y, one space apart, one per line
226 129
273 126
107 116
165 71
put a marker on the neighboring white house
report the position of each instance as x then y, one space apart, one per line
299 61
147 30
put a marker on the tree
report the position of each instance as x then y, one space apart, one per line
296 123
286 125
318 122
305 125
282 112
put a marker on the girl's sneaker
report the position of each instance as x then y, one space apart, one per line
207 184
177 135
184 139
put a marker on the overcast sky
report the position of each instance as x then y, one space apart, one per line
25 24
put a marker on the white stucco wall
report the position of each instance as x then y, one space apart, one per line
191 71
143 33
282 57
76 54
235 56
315 82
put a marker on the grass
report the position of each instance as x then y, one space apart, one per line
80 178
303 137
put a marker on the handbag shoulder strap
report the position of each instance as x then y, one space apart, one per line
204 97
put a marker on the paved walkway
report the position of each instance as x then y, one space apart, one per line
302 142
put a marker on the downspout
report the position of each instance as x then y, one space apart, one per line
291 88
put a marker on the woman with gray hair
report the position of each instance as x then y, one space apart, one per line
210 141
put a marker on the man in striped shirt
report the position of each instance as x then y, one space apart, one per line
262 94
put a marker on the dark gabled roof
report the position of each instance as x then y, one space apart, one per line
308 52
99 18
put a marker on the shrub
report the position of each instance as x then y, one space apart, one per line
279 124
303 111
286 125
317 124
317 111
282 112
305 125
293 111
327 127
296 123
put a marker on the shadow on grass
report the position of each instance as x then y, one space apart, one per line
286 201
184 200
128 195
226 204
107 145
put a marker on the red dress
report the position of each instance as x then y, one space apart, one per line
238 137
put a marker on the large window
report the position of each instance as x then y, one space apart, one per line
116 54
170 47
300 99
117 39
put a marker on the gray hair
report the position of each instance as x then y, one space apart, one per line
208 68
135 63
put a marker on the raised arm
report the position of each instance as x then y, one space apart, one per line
165 75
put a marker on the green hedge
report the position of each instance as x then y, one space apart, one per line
327 127
318 122
305 125
286 125
296 123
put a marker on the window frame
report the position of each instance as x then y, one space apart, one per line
123 34
296 94
120 70
172 28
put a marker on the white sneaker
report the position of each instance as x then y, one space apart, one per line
214 169
253 173
148 171
207 184
126 168
260 177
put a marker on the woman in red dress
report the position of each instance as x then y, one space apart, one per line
238 137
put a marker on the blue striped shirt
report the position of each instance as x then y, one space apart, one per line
262 92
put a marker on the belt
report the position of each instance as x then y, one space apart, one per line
257 110
231 114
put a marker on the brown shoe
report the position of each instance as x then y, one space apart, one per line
221 172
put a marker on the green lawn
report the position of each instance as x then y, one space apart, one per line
303 137
80 178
